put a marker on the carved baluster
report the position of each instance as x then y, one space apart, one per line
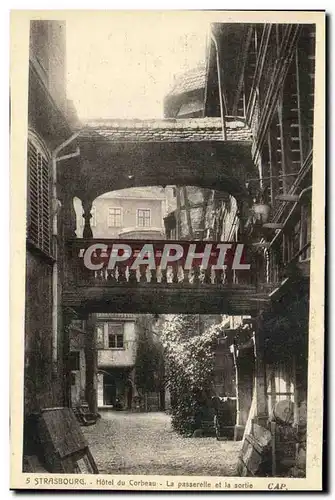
122 274
228 275
208 276
186 276
132 276
143 274
65 205
87 207
111 276
163 276
218 276
175 274
154 277
196 275
100 272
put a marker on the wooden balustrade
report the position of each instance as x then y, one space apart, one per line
173 275
122 275
174 289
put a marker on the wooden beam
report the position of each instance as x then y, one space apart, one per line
303 91
288 197
91 364
261 244
273 225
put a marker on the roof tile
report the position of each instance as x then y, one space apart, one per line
172 130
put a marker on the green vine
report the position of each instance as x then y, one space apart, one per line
189 357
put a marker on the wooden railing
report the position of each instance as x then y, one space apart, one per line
279 268
174 274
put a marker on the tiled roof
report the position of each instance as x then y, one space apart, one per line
190 80
166 130
146 192
194 106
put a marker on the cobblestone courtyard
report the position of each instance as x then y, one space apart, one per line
144 443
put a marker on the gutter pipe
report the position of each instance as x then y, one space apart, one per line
55 301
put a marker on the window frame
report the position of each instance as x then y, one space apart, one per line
115 335
110 215
138 218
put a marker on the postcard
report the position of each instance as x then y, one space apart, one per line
167 235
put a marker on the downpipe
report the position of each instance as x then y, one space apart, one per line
55 301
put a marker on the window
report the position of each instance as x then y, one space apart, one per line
74 358
143 217
39 218
280 383
115 336
114 217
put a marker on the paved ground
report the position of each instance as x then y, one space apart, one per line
144 443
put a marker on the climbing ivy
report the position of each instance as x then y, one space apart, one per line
189 360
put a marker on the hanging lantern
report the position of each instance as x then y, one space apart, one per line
261 212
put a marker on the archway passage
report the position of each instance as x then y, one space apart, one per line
117 154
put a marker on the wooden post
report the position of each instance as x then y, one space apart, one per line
87 207
68 315
178 212
188 213
304 91
284 142
69 218
238 420
91 364
273 449
260 380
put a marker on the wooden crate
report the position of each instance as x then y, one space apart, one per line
64 446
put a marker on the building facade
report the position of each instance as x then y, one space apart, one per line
50 122
249 79
116 343
275 97
135 213
128 213
187 95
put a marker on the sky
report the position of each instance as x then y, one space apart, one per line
121 64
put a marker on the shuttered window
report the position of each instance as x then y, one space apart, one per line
39 220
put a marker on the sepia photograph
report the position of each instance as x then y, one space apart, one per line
170 194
